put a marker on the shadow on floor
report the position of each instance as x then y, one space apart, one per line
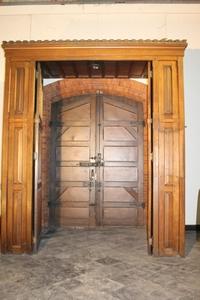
191 237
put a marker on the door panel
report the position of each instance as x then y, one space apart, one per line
120 174
73 140
121 195
97 162
74 134
126 154
119 134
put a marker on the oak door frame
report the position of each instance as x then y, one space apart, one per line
166 57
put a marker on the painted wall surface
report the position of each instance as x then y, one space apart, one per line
121 21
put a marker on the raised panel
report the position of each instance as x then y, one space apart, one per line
168 220
168 91
120 216
74 134
117 194
120 154
72 153
19 101
73 194
118 134
168 155
72 173
72 213
120 174
18 155
114 113
17 218
79 113
19 91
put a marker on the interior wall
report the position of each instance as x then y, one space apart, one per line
120 21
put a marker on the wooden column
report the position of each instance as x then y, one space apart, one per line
168 158
16 231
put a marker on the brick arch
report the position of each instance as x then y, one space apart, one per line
63 89
116 87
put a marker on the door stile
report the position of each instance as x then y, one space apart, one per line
37 205
149 124
99 153
140 211
155 159
4 177
181 157
92 169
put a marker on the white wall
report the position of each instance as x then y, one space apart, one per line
192 120
120 21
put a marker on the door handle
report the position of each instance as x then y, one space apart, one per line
92 179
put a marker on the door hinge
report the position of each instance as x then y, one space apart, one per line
151 241
35 155
150 73
34 240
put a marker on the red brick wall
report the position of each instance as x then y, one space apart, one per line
73 87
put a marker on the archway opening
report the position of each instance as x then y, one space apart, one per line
126 202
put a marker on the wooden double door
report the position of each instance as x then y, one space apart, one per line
96 162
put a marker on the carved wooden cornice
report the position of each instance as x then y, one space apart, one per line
93 49
94 43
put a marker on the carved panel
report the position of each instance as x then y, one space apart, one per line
18 153
168 155
19 91
17 218
168 91
168 220
19 101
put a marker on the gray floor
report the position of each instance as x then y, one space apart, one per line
104 264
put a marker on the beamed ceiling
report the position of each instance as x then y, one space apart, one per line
63 2
96 69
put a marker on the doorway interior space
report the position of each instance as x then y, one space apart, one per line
92 136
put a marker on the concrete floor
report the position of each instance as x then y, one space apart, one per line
103 264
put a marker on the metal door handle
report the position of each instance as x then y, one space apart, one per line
92 179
